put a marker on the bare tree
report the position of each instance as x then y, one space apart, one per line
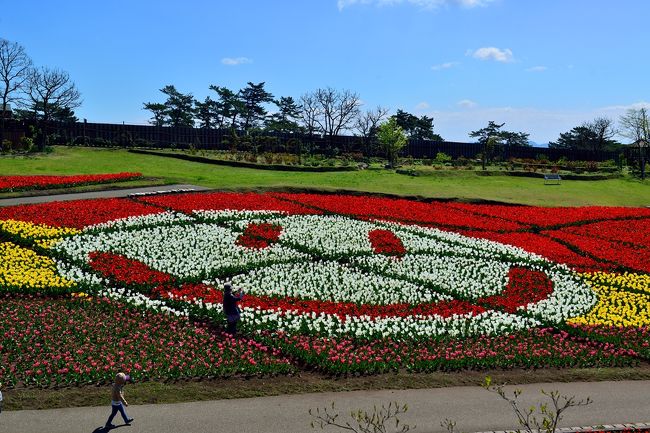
367 124
338 109
15 65
635 125
50 90
309 112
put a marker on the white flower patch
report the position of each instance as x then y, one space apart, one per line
490 322
185 251
163 218
329 236
75 273
571 297
330 281
466 277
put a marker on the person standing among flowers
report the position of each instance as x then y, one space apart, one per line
230 308
117 400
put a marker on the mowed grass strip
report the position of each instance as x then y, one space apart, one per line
449 184
305 382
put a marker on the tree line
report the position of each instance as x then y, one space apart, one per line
325 111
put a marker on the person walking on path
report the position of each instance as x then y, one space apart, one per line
117 400
0 397
230 308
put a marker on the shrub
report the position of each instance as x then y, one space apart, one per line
6 146
443 158
591 166
27 143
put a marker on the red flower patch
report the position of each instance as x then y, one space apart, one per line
77 213
551 216
637 258
435 213
22 183
259 236
636 232
208 294
525 286
127 271
386 242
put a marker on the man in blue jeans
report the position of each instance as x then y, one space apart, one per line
230 308
117 400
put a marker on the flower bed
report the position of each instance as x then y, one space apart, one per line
189 203
437 214
366 272
636 258
535 348
77 213
547 217
77 341
26 183
544 246
633 232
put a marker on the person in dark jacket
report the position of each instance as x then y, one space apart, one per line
230 308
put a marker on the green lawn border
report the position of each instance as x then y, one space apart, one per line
304 382
240 164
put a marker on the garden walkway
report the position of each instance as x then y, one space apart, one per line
95 194
472 407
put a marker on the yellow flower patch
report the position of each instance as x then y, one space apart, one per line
617 306
640 282
31 231
23 269
47 243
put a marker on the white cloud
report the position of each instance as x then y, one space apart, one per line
422 106
467 103
424 4
492 53
446 65
234 61
537 69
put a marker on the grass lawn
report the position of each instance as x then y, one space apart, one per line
447 184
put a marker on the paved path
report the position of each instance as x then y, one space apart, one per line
472 407
94 194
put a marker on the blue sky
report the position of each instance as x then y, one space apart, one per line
540 66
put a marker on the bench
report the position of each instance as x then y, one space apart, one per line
552 179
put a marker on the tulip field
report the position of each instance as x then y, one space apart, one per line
341 284
38 182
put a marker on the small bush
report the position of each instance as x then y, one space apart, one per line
591 166
27 143
443 158
6 146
